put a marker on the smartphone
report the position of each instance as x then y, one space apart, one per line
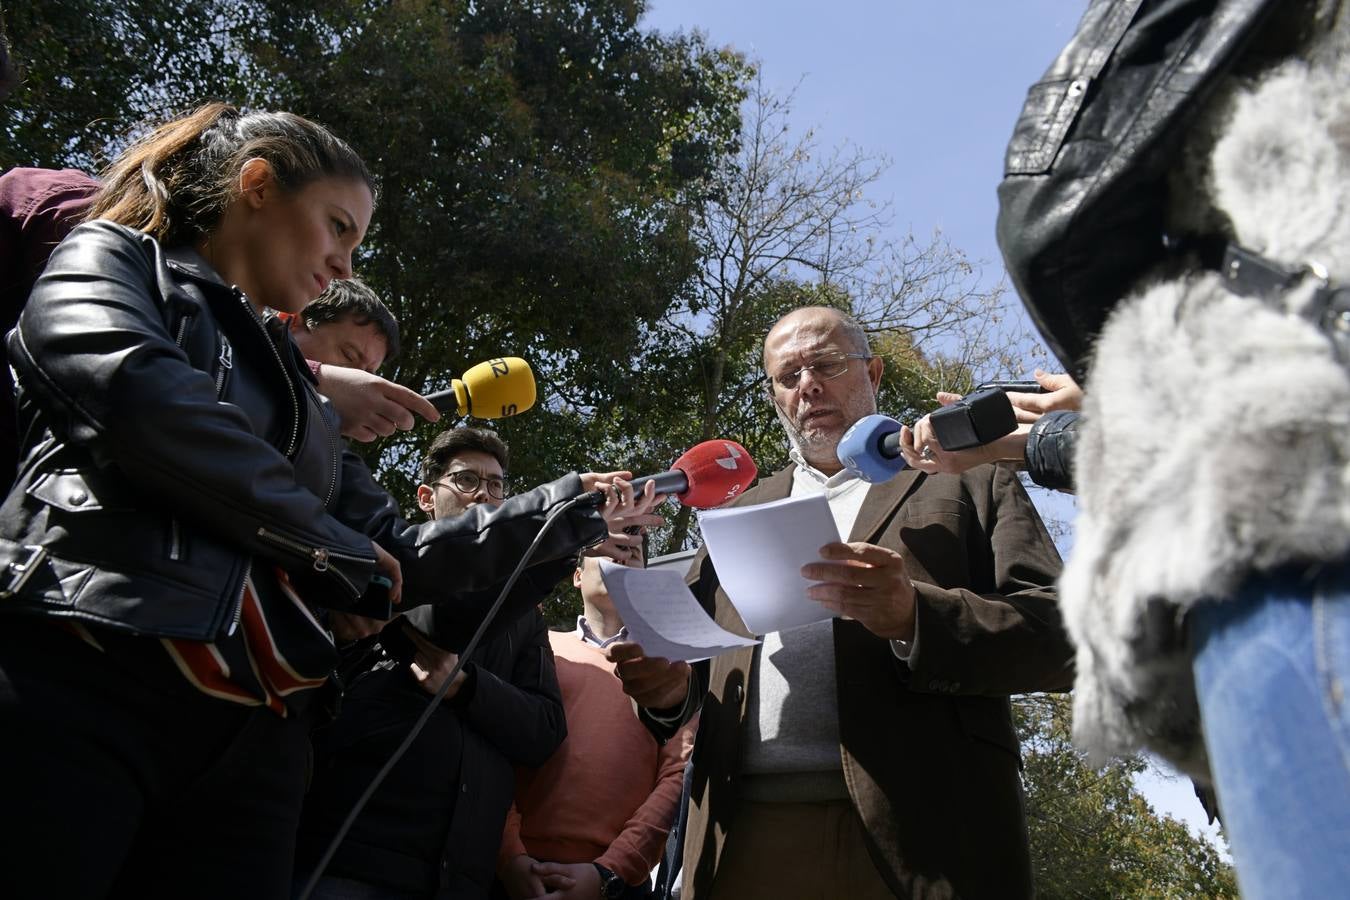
375 603
1018 387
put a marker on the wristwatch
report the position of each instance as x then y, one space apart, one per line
611 885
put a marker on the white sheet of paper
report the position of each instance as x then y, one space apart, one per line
663 616
759 552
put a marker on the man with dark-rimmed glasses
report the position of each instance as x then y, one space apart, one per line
463 467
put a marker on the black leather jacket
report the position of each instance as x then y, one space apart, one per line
1050 446
171 437
1083 205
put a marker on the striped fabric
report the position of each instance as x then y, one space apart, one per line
270 656
277 649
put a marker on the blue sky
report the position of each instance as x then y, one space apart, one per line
936 87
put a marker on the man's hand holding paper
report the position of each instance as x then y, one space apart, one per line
867 583
652 681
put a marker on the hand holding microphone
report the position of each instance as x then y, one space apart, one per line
967 431
373 407
627 513
705 476
913 441
877 448
1029 401
369 406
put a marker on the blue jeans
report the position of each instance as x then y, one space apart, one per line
1272 671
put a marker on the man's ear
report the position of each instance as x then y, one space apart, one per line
576 574
875 366
426 497
257 181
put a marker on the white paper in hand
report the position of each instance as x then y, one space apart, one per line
663 616
759 551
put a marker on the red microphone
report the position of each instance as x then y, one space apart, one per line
706 476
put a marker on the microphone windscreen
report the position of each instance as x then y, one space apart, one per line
497 388
862 449
718 471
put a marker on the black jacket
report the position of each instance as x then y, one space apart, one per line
171 437
1050 446
1083 205
435 824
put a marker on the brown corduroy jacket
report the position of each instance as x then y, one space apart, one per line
928 748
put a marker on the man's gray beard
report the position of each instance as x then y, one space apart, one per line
816 446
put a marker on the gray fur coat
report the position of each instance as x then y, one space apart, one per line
1216 428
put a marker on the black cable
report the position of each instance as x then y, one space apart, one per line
435 700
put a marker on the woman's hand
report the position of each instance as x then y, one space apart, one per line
921 450
1062 392
388 566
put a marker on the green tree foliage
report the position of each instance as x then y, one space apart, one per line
536 163
91 69
1092 833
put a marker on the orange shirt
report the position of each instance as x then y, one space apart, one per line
610 793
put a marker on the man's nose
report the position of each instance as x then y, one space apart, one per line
808 382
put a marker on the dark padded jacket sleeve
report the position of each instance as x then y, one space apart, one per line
522 716
1049 454
468 554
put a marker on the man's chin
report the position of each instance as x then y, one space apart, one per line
820 442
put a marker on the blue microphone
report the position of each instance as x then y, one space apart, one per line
870 449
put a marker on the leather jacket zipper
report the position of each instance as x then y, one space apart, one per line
226 364
175 530
239 600
336 444
285 375
318 557
181 338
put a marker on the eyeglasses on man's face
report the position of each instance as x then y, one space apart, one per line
826 367
467 481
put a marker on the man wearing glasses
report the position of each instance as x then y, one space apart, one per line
872 755
436 822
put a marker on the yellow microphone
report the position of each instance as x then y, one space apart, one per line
490 390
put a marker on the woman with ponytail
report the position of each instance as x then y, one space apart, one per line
184 521
175 518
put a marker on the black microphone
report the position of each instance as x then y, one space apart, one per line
870 449
974 420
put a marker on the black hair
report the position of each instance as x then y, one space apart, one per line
451 443
352 298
